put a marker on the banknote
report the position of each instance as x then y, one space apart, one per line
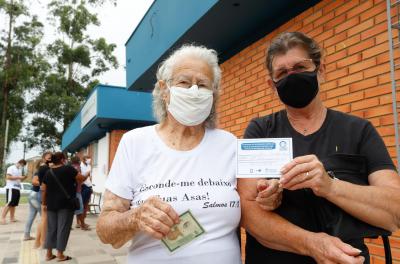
183 233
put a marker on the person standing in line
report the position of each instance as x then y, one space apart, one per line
60 211
80 220
13 187
34 202
86 189
42 227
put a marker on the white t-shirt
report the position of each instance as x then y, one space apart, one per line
85 169
14 171
202 180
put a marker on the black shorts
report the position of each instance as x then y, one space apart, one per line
12 197
86 192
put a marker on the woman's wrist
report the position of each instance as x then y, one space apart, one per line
132 218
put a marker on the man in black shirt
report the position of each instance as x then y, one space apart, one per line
340 187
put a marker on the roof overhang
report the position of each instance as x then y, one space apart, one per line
107 108
227 26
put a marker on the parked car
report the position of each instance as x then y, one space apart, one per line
26 188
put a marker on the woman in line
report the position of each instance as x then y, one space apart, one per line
60 211
183 163
34 202
42 226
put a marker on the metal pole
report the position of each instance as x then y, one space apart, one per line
392 77
23 168
5 144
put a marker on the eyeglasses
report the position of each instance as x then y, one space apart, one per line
186 82
305 65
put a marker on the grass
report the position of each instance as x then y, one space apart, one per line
22 200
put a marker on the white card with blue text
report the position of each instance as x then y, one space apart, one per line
262 157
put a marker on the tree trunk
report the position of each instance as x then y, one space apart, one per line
6 88
69 87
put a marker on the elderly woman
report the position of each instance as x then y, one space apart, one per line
183 163
341 185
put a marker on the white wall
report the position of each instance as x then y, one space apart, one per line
100 170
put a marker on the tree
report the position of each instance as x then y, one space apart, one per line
79 59
22 66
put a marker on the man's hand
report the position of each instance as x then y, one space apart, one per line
155 217
331 250
269 195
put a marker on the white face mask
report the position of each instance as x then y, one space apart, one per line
190 107
88 161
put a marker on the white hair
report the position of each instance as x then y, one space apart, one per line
165 70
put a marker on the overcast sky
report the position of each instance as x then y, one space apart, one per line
117 24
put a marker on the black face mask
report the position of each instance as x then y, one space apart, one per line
298 89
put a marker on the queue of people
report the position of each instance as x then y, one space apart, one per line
56 182
338 189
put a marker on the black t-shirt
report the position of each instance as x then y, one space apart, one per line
340 134
35 188
41 172
55 197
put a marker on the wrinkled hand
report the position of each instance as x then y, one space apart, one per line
156 217
306 172
269 195
331 250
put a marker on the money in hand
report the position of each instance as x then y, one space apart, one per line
183 233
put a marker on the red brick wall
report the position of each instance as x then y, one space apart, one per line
355 39
115 137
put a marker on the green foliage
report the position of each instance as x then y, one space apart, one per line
22 66
78 61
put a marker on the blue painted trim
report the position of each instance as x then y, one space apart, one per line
162 25
227 26
72 131
116 108
122 104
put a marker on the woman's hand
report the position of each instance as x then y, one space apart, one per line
331 250
269 196
35 180
155 217
306 172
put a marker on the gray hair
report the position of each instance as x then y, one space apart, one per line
287 40
165 70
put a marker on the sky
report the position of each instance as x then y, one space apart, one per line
117 24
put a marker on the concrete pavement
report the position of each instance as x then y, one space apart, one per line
83 246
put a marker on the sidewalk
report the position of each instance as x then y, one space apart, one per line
83 246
